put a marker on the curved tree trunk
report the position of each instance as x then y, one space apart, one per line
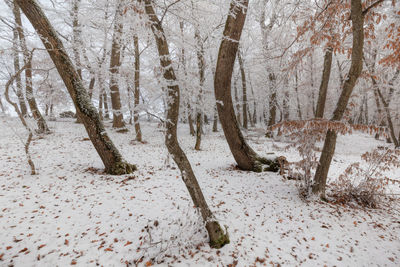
42 125
245 156
109 154
18 81
115 63
323 89
328 150
218 237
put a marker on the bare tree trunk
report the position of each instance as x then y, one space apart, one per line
21 116
218 237
112 159
313 108
201 66
296 88
105 103
18 81
244 88
3 110
254 117
190 120
323 89
272 100
182 60
115 63
215 122
238 113
42 125
137 90
354 72
245 156
387 111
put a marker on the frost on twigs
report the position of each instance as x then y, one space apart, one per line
366 183
164 241
304 136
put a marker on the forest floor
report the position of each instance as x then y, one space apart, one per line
71 213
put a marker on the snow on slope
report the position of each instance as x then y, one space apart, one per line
72 213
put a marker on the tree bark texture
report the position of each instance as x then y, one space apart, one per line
115 63
137 90
109 154
201 66
218 237
245 156
244 91
323 88
18 81
348 86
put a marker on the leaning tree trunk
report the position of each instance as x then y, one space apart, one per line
323 88
218 237
137 90
245 156
42 125
115 63
109 154
354 72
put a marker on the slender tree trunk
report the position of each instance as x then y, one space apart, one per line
238 113
272 100
387 111
112 159
254 117
91 86
190 120
313 108
101 105
42 125
218 237
354 72
3 110
201 66
137 90
115 63
296 88
244 88
18 81
105 103
215 122
323 89
245 156
21 117
182 59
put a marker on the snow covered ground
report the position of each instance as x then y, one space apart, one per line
73 214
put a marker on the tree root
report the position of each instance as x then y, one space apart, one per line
276 164
218 237
120 168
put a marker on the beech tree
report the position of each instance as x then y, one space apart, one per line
245 156
218 238
357 18
111 157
